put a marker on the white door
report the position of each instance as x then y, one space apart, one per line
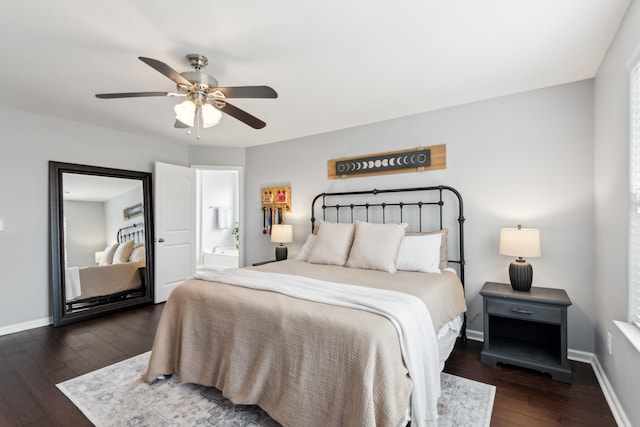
175 227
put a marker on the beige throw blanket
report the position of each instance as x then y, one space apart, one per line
305 363
407 313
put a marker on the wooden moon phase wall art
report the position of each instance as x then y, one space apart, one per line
412 160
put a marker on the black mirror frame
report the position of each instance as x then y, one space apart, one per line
56 243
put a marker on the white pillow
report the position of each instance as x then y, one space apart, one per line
420 252
375 246
306 248
107 256
137 254
444 261
333 243
123 252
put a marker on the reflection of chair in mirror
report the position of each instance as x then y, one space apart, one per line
121 273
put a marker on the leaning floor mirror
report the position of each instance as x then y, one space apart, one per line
101 240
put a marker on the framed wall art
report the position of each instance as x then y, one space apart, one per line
412 160
132 211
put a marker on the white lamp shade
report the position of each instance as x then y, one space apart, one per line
185 112
210 116
282 233
520 242
98 256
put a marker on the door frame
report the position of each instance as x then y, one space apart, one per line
240 170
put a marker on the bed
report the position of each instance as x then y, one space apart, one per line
121 273
330 339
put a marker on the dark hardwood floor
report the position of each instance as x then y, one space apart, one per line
33 362
529 398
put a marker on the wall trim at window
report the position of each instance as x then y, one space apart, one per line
634 58
630 331
634 192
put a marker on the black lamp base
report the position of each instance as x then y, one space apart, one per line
281 252
520 275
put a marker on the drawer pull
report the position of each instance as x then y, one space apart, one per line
521 311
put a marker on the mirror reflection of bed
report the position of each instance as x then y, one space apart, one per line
119 273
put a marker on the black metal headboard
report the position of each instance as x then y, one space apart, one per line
414 206
133 232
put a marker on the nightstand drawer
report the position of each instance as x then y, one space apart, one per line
523 310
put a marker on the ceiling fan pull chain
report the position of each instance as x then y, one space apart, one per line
197 119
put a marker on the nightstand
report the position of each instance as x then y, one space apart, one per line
527 329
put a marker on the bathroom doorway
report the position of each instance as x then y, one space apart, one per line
219 217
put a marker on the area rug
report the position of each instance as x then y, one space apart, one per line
116 396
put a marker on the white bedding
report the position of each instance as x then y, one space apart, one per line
73 289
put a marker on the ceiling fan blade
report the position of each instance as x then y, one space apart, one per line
179 125
239 114
248 92
136 94
166 70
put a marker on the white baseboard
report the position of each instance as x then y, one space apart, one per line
19 327
609 394
475 335
580 356
591 359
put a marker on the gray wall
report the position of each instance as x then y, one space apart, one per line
29 142
611 214
217 156
526 158
85 231
114 215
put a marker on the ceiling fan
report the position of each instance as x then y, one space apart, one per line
206 101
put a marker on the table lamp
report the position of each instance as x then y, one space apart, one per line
281 234
520 242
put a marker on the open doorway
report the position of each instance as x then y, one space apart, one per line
219 217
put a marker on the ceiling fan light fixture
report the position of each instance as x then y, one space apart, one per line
210 116
185 112
206 100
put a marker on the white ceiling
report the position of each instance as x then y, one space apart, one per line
94 188
335 64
